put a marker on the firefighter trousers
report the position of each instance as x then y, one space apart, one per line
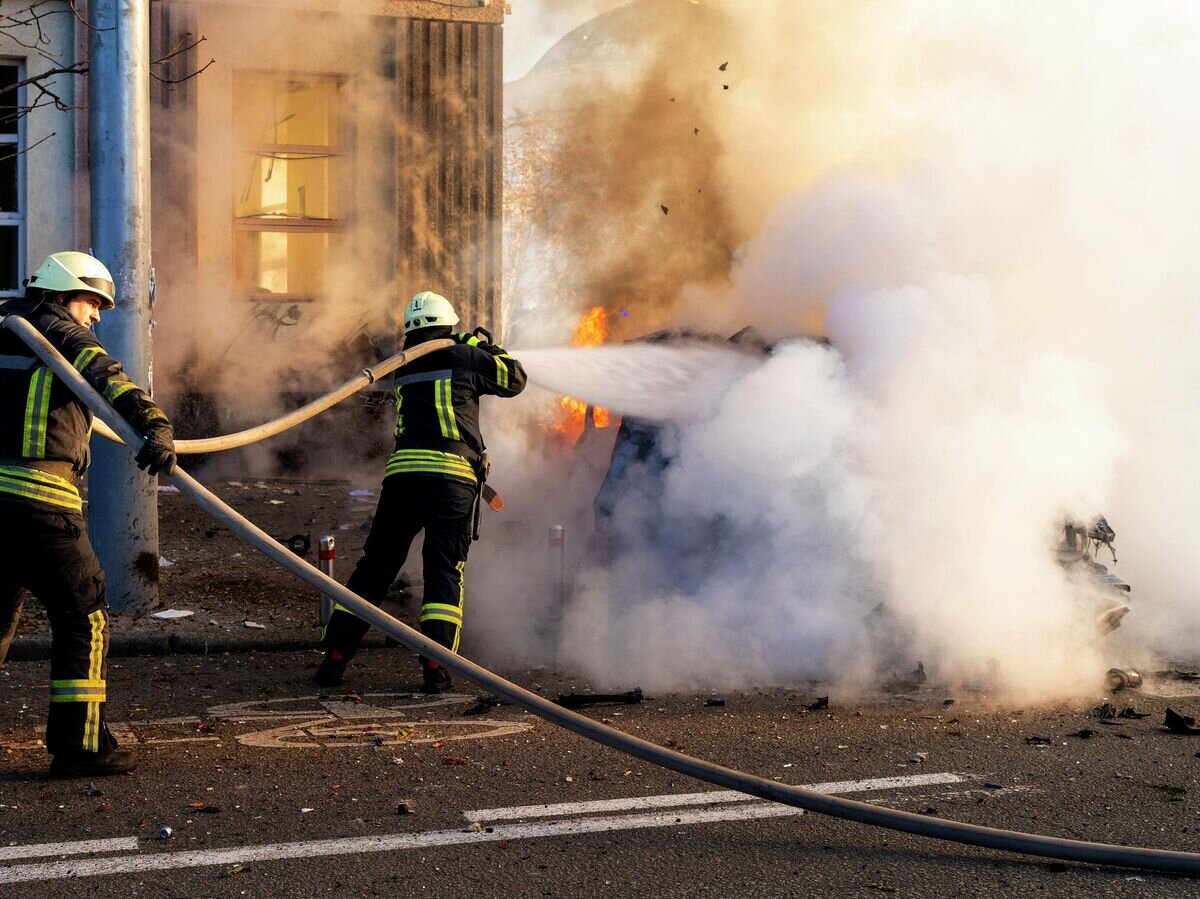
409 503
47 551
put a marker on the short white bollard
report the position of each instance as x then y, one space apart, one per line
326 555
558 564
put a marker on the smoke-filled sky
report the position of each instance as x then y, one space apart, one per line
989 209
534 26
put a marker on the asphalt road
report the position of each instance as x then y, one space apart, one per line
272 788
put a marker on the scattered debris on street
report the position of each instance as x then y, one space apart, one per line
1180 724
580 700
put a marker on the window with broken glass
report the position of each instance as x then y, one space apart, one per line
12 179
288 176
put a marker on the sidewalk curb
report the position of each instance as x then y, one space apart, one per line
37 647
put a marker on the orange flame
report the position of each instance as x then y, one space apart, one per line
592 330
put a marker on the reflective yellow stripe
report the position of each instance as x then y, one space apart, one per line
79 694
501 372
454 612
441 611
117 389
443 399
37 408
84 359
440 405
42 478
29 483
79 682
419 461
415 452
91 730
435 463
462 599
96 655
439 616
442 463
419 468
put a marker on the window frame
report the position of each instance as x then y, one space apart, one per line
308 225
17 218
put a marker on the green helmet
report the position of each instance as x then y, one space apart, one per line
428 309
70 271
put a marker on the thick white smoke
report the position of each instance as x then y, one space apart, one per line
534 26
991 210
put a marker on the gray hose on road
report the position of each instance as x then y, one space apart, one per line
303 414
799 797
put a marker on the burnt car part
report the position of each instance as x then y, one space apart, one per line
579 700
1077 552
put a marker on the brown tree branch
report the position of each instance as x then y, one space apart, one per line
187 77
181 46
24 27
78 68
4 155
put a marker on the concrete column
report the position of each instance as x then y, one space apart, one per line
123 502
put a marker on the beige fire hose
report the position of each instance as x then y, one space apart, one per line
799 797
303 414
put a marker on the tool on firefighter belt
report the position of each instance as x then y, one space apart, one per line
476 512
494 500
579 700
482 469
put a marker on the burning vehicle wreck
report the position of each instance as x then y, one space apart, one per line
1077 555
645 449
645 525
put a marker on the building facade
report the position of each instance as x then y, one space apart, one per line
333 158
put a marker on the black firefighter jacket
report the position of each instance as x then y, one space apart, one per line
41 420
437 407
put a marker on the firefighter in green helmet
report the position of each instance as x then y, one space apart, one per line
44 432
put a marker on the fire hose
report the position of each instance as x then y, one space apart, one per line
710 772
303 414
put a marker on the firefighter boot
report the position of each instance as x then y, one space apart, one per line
332 669
436 678
92 764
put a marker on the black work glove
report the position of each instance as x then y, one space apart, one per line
480 337
157 454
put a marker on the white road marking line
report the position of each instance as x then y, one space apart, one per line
79 847
710 798
354 845
163 861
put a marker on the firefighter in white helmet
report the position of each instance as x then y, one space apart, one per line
432 483
44 431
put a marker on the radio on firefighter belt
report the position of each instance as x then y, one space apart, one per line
482 467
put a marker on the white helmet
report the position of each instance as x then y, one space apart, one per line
70 271
428 309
